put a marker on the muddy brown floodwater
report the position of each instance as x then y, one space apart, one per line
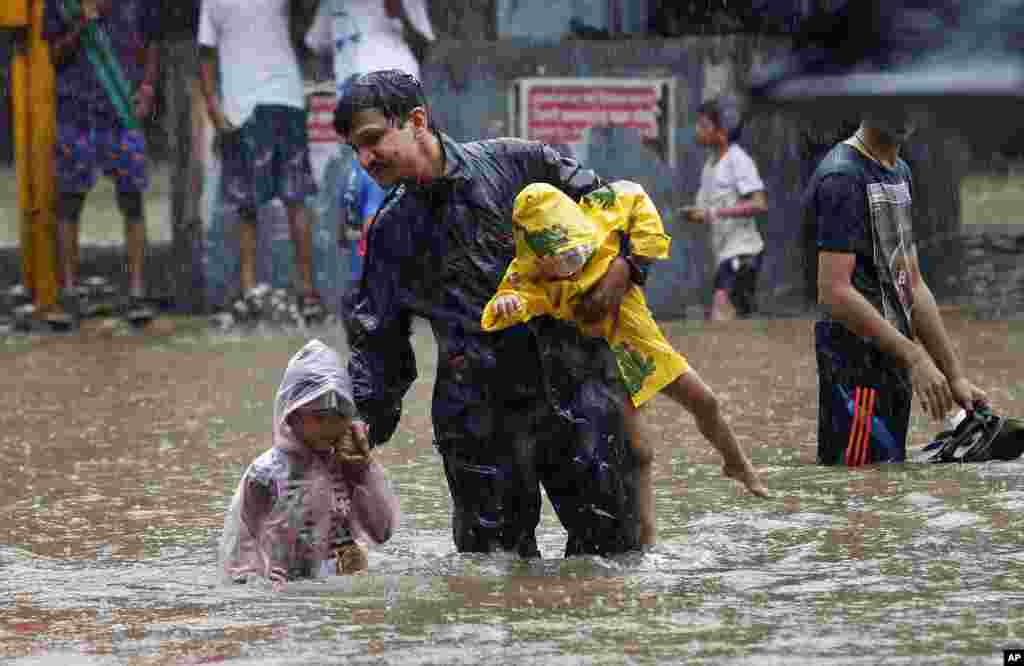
119 451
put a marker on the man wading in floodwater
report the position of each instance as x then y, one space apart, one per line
880 335
534 404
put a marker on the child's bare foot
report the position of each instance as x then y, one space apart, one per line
745 473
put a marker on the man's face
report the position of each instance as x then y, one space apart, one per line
896 125
390 153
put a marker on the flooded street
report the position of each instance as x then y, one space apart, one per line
120 451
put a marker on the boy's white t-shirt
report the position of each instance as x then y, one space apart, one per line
257 62
722 184
364 38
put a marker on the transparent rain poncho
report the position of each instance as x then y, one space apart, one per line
295 507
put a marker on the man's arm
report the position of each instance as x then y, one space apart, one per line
747 179
928 326
152 32
840 207
208 63
644 238
208 85
320 36
379 330
842 301
846 305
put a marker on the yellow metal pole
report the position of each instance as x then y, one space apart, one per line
34 96
14 14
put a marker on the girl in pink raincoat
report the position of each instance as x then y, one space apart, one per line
303 506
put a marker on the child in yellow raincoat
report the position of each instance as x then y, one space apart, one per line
562 251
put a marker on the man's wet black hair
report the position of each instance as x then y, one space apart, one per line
725 114
392 92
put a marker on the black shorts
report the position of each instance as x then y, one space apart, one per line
864 399
738 276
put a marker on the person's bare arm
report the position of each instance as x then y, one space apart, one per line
146 93
848 306
208 85
750 206
929 328
928 325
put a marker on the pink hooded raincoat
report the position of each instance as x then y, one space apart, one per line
294 507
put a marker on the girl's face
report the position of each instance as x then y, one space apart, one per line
319 429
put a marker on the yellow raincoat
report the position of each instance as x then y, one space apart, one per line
34 93
548 223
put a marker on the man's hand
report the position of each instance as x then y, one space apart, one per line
507 305
931 387
606 297
967 395
144 97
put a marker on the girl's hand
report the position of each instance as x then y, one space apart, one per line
278 579
354 448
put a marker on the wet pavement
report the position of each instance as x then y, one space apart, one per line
120 450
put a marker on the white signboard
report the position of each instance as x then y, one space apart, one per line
561 110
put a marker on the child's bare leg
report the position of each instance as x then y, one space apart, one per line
721 306
693 394
644 452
